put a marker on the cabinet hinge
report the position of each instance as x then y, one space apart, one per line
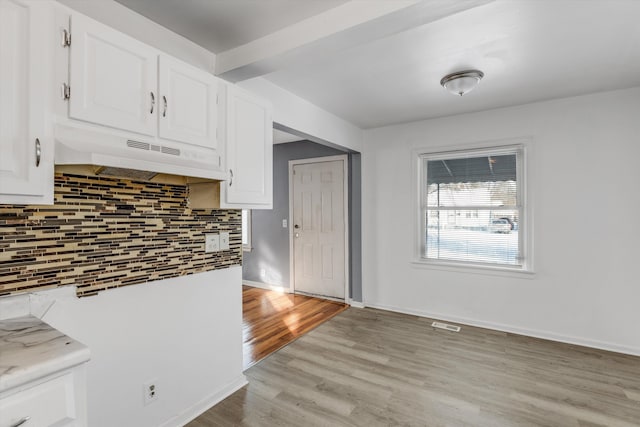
66 91
66 38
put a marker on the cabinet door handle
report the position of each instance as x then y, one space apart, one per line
20 422
38 152
153 102
164 99
231 179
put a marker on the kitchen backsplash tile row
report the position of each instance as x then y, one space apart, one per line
104 233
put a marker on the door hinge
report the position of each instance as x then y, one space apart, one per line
66 91
66 38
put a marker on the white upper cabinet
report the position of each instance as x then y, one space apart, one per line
248 151
113 78
26 145
187 103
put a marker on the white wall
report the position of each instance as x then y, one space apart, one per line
584 177
186 332
302 118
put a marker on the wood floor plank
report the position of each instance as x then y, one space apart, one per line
372 368
271 320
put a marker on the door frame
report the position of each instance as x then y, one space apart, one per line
345 162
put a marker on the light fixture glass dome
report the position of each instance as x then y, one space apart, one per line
462 82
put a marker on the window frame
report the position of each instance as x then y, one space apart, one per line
522 147
247 247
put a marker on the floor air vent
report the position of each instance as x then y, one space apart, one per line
446 326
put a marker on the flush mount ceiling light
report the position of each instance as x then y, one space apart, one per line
462 82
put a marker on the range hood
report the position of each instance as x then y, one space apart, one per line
129 157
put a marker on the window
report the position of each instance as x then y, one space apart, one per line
246 230
472 207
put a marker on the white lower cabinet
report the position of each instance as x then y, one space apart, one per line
26 144
248 129
58 400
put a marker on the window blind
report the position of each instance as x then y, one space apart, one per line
472 208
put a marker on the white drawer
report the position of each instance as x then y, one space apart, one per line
49 404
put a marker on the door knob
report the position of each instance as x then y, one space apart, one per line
296 226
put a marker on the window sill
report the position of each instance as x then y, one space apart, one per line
474 269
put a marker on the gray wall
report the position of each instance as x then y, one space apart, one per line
270 241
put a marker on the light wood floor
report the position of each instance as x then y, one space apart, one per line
271 320
371 368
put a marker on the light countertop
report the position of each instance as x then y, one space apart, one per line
31 349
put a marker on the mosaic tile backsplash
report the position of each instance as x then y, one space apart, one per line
104 233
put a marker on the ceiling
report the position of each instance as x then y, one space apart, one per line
529 50
219 25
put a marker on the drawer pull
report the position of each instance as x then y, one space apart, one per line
38 152
153 102
21 422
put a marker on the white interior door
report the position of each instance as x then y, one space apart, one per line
113 78
319 228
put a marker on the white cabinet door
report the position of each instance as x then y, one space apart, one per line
187 103
113 78
248 150
26 146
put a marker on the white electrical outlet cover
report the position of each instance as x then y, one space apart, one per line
224 241
150 391
212 243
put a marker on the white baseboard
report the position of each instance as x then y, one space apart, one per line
356 304
551 336
200 407
267 286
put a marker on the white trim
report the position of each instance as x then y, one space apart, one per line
248 247
356 304
267 286
546 335
462 267
203 405
345 161
525 194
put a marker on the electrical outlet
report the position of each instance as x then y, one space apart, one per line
224 241
150 391
211 243
284 223
263 272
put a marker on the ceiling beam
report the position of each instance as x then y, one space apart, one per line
343 27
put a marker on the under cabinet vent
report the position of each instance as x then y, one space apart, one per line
151 147
446 326
172 151
138 144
